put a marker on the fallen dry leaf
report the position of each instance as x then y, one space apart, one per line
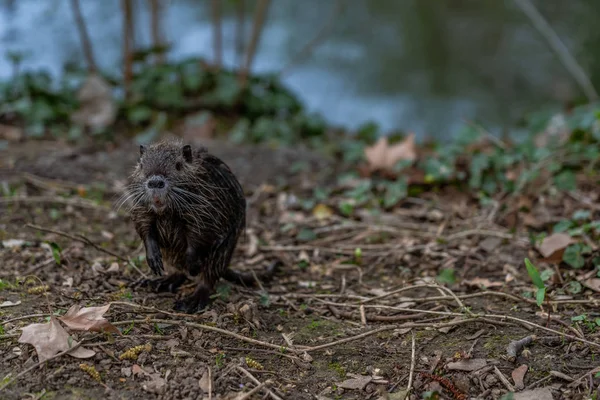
467 365
204 382
357 383
518 374
98 109
482 283
157 384
382 156
8 303
536 394
322 211
593 283
88 319
50 339
553 243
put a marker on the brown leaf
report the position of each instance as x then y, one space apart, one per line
518 374
88 319
357 383
467 365
157 384
592 283
553 243
98 109
382 156
536 394
50 339
483 283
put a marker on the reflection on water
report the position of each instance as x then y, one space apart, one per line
420 65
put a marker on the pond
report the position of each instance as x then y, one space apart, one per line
413 65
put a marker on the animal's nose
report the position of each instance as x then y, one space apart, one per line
156 182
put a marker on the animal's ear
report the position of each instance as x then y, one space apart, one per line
142 149
187 153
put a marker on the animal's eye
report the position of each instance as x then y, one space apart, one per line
178 166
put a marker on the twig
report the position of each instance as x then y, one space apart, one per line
563 53
503 379
412 365
257 27
128 44
256 389
26 371
217 32
155 28
24 317
209 383
239 31
208 328
317 40
249 375
86 43
77 202
83 239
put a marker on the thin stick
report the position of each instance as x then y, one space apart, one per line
563 53
317 40
86 43
239 32
257 27
83 239
256 389
412 364
76 202
209 328
128 43
209 383
253 379
155 28
217 32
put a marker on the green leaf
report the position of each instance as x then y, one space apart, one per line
539 296
394 192
446 275
580 215
573 255
306 234
574 287
534 274
578 318
562 226
566 181
56 250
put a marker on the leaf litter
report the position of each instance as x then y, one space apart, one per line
339 257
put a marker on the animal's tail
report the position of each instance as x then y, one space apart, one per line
248 278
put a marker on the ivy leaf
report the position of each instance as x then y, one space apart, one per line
573 255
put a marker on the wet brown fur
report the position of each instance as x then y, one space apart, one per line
204 214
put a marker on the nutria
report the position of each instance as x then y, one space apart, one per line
189 210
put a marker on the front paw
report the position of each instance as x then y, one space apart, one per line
196 302
192 262
155 263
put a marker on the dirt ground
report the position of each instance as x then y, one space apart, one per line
334 323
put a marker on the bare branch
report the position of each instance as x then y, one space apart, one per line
540 23
86 43
318 39
155 27
257 27
128 42
217 32
240 12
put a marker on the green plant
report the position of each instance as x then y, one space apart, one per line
534 274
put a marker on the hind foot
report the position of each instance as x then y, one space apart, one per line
169 283
195 302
